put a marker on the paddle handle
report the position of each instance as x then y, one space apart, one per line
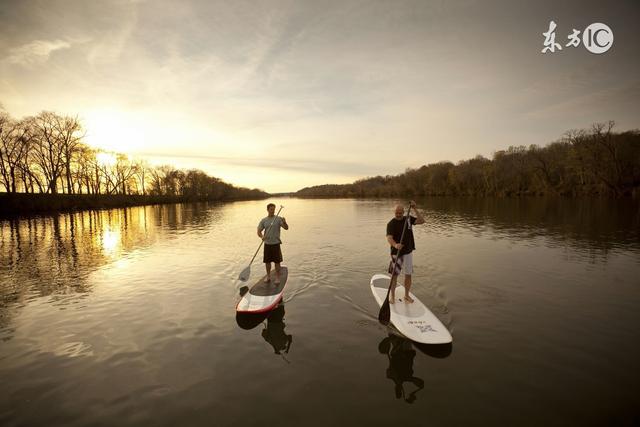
265 235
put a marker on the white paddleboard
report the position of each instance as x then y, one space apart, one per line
415 320
263 297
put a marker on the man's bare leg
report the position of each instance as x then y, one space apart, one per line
407 287
277 272
392 294
268 267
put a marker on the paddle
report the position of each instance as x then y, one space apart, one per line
244 274
385 311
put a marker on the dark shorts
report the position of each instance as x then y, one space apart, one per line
272 253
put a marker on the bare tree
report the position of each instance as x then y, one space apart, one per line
142 175
48 150
84 159
69 134
14 144
124 171
159 178
6 123
46 153
96 173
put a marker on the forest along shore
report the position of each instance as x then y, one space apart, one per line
45 166
591 162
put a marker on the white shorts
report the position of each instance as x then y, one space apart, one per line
407 263
404 265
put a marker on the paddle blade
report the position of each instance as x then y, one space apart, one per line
385 312
384 316
244 274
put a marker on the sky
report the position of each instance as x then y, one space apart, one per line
281 95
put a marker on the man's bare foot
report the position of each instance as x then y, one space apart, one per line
277 282
392 299
408 299
267 279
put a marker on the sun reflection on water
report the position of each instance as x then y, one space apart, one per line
111 241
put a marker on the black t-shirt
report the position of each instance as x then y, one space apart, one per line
394 228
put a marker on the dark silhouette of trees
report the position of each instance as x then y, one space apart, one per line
597 161
47 151
46 154
15 141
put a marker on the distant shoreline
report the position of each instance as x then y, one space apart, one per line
635 195
582 163
17 204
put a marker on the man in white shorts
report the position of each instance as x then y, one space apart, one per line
405 263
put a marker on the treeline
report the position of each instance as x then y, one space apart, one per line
46 154
597 161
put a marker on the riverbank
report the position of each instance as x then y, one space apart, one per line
12 204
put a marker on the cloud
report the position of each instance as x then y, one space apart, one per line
290 164
36 52
115 40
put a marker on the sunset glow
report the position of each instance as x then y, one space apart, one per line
106 158
114 130
304 93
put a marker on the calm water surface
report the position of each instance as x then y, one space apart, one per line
127 317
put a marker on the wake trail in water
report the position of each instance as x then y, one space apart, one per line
309 281
347 299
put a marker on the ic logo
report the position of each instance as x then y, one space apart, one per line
597 38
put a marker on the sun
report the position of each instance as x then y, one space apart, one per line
106 159
114 130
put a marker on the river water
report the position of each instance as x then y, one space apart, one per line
127 317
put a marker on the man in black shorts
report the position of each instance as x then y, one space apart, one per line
405 263
271 224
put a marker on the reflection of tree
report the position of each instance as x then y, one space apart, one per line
588 224
54 255
400 353
592 226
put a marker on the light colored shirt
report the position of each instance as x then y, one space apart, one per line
272 237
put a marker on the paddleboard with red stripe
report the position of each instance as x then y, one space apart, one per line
263 297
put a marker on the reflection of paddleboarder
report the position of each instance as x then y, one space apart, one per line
274 334
401 353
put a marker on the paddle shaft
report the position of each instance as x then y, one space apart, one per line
265 235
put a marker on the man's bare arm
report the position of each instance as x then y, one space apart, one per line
419 217
393 243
